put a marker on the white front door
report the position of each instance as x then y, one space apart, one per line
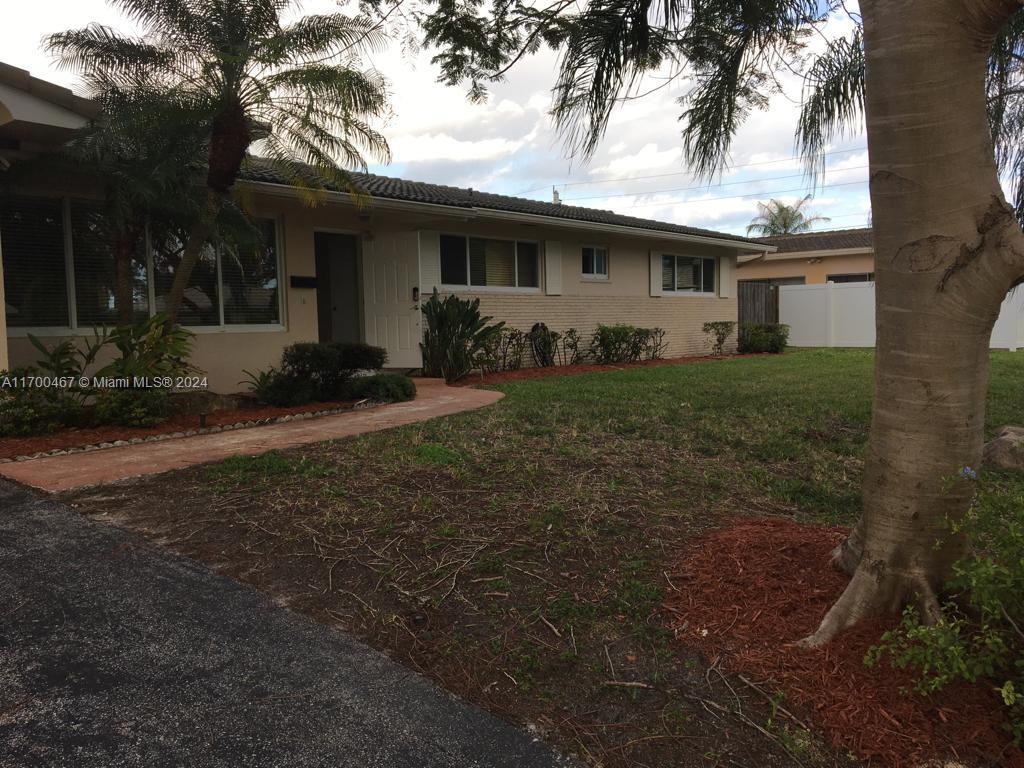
391 268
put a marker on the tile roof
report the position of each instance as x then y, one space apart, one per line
832 240
437 194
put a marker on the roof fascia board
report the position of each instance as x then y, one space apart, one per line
823 253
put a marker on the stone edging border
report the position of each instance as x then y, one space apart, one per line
190 432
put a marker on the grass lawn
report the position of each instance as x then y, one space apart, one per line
518 554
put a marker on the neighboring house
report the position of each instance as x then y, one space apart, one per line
837 256
340 272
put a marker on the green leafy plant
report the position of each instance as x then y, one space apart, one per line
763 337
504 351
568 352
382 388
719 331
626 344
456 337
980 635
277 388
70 360
329 366
147 350
132 407
26 410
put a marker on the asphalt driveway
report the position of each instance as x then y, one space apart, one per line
116 653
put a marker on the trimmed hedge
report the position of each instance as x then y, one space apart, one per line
132 407
327 367
382 388
763 337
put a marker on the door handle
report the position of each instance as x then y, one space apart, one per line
416 293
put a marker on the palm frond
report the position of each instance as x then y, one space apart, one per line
609 48
314 38
833 98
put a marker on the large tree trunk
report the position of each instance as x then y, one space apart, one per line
126 248
947 249
198 238
230 138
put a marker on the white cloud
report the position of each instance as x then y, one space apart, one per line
510 145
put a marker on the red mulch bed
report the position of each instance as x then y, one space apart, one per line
750 590
11 447
525 374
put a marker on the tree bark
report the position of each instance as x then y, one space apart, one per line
947 249
230 138
126 248
198 237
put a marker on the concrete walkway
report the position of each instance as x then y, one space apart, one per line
77 470
116 654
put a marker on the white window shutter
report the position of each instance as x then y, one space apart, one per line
725 276
430 261
553 268
655 273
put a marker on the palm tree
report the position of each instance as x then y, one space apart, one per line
146 171
243 77
776 218
939 87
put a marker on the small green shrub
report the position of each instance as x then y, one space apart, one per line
568 352
327 367
280 389
145 350
132 407
382 388
456 337
504 351
28 410
763 337
719 331
979 637
626 344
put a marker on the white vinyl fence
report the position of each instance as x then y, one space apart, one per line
843 315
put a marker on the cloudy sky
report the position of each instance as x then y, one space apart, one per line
508 145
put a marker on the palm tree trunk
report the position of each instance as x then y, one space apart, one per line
947 249
230 138
198 238
126 247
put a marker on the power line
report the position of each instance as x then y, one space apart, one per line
701 186
684 173
743 197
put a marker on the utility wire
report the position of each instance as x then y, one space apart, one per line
684 173
742 197
700 186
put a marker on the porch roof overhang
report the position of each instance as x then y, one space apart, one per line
491 214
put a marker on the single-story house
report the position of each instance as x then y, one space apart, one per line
811 258
338 271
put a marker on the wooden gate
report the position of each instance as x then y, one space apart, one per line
759 302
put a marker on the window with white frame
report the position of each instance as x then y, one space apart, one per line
479 262
59 271
687 274
595 262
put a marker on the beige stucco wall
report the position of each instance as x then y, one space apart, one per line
223 353
625 297
816 273
682 318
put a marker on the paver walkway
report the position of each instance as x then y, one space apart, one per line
117 654
77 470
